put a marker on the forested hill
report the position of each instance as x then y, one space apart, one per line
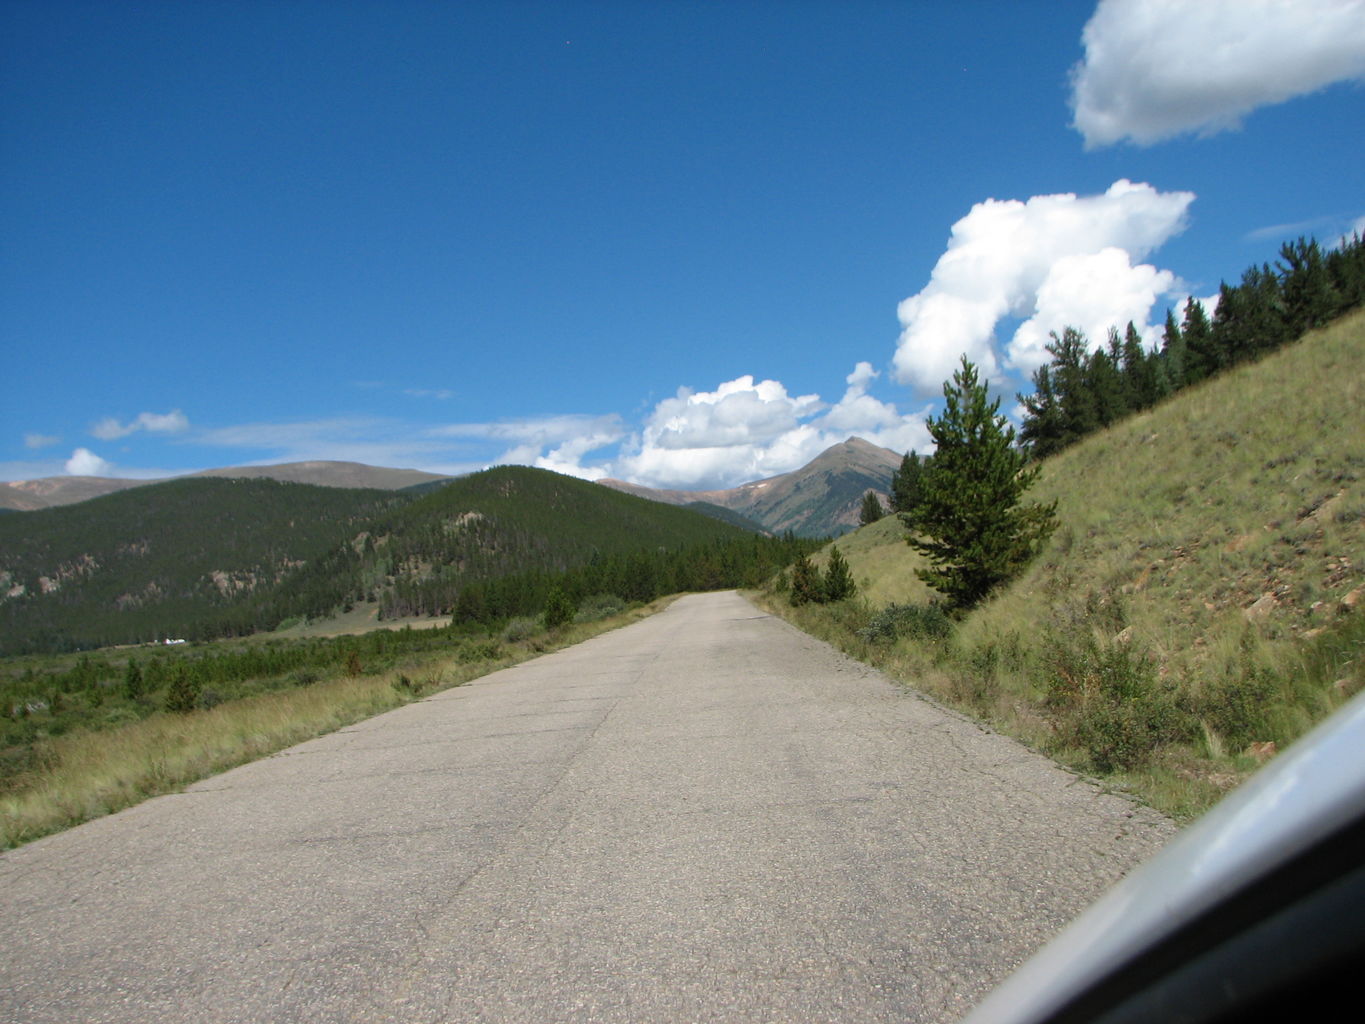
503 521
166 559
203 558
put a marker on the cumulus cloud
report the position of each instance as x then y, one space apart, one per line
35 441
84 462
1154 69
746 430
1052 261
110 429
1091 292
558 443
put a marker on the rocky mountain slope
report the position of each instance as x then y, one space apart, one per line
821 499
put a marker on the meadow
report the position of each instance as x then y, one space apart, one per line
79 742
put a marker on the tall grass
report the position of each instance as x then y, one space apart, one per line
1201 601
83 775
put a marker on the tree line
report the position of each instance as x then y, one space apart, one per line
1081 391
634 577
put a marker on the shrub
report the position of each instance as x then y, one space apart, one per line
559 608
599 606
916 621
1108 700
519 629
488 650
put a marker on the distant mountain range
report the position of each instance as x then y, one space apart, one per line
49 492
821 499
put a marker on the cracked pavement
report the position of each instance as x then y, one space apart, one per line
705 816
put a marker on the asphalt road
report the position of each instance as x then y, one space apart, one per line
707 816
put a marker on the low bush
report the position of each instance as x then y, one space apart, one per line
915 621
519 630
1107 699
599 606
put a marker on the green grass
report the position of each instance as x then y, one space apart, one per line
1195 602
84 773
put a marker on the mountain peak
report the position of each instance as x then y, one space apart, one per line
821 498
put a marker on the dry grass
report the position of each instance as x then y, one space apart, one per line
89 774
1211 550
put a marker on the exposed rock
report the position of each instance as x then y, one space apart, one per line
1261 610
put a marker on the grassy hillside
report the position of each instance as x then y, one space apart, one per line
1199 600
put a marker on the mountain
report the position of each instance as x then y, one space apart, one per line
52 491
48 492
204 557
821 499
184 557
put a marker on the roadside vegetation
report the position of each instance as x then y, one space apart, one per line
86 736
1198 606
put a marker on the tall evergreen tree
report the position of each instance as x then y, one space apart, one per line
1139 370
1104 382
971 522
1173 353
1309 298
872 509
807 586
905 482
1044 429
838 582
1201 355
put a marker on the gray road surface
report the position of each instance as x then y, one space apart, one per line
707 816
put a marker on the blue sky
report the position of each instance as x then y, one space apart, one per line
688 244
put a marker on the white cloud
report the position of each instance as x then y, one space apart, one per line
747 430
440 394
1154 69
84 462
1091 292
110 429
1354 231
1052 261
36 441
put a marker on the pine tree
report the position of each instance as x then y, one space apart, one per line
838 578
133 686
970 521
807 587
1201 355
1078 412
182 695
1043 431
1173 354
872 509
905 482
